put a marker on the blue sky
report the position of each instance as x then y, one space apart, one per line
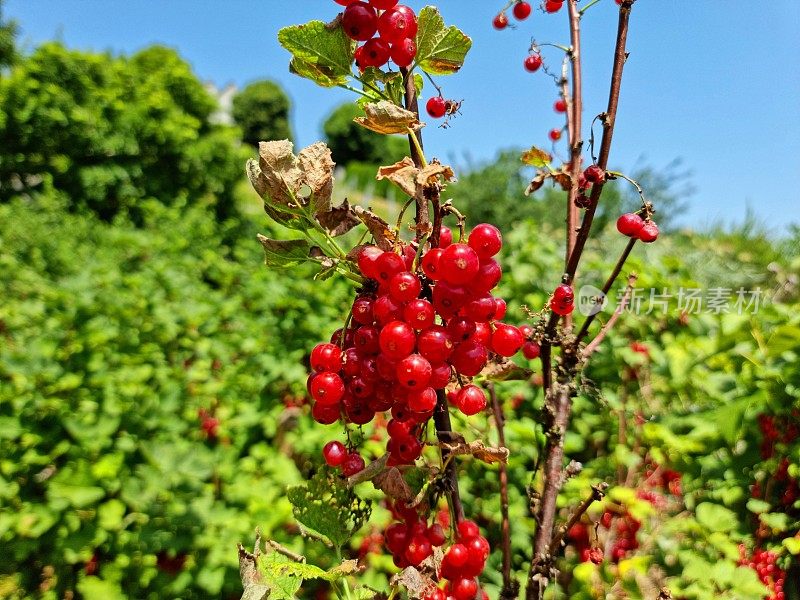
714 83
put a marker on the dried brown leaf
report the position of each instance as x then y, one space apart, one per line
479 450
417 583
505 370
339 219
430 175
380 230
317 167
563 179
403 174
386 117
392 484
536 182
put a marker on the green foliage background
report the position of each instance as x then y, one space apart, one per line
114 335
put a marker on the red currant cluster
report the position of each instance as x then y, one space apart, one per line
462 563
774 431
396 26
394 355
633 226
521 11
625 541
410 539
208 423
764 563
563 300
578 536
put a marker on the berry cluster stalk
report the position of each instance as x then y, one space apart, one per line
558 394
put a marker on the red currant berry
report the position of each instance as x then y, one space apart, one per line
334 453
397 25
596 555
327 388
594 174
435 344
554 134
366 340
418 550
422 401
464 589
500 21
649 232
326 357
457 556
630 224
353 464
440 376
482 335
430 263
362 310
521 10
388 265
560 106
325 414
526 330
419 314
531 350
345 2
436 107
564 293
469 358
448 298
500 308
460 328
403 52
458 264
396 538
487 278
552 6
397 340
360 21
480 310
507 340
414 372
533 62
367 258
404 286
386 309
374 53
478 549
486 240
561 308
467 529
383 4
445 236
437 594
436 535
471 400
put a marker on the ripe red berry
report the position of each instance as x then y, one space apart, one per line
560 106
478 549
325 414
388 265
480 310
649 232
345 2
326 357
367 258
396 538
552 6
436 535
469 358
464 588
564 293
533 62
440 375
387 309
500 21
445 236
467 529
555 134
383 4
460 328
630 224
594 174
486 240
334 453
365 340
353 464
500 308
396 25
404 52
414 372
404 286
435 344
436 107
488 276
360 21
397 340
419 314
327 388
362 310
507 340
471 400
422 401
458 264
531 350
521 10
482 335
430 263
418 550
374 53
596 555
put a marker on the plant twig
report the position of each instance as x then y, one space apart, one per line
598 493
592 346
510 588
280 549
444 430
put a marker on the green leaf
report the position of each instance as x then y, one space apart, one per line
757 506
716 517
94 587
283 253
320 52
440 49
792 544
327 507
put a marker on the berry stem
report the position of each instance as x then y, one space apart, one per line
593 345
350 88
588 6
598 493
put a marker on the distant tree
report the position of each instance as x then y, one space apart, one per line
262 111
352 143
8 33
109 132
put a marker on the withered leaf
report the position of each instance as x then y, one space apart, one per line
403 174
386 117
478 450
372 470
536 157
536 182
339 219
505 370
380 230
563 179
430 175
317 167
392 483
417 583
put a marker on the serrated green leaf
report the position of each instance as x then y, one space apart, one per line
320 52
327 507
716 517
792 544
440 50
283 253
757 506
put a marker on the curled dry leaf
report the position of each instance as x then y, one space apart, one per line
392 484
505 370
562 178
417 583
536 182
339 219
430 175
478 450
380 230
386 117
403 174
372 470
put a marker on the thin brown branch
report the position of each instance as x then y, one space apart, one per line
510 588
593 345
598 493
606 288
444 433
280 549
410 99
